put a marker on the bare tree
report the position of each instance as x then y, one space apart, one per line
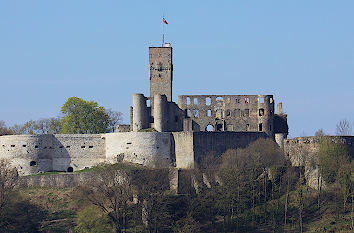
8 179
110 190
4 130
320 133
343 128
114 119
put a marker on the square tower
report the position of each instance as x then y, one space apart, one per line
160 71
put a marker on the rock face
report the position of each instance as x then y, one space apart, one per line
303 151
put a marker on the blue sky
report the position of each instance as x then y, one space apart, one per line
300 51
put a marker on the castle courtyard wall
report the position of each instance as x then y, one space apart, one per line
40 153
151 149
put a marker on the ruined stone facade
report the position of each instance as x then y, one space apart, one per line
198 113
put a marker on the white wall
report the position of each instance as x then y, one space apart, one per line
151 149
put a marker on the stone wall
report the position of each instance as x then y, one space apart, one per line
230 112
39 153
184 149
151 149
303 151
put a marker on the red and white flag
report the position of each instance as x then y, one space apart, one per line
164 20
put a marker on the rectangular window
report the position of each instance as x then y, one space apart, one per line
209 113
260 127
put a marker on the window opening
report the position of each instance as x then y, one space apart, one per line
188 113
70 169
208 101
209 128
195 100
195 113
261 100
33 163
247 100
261 112
188 101
219 98
260 127
209 113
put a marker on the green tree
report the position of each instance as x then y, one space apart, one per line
344 174
82 116
91 220
331 156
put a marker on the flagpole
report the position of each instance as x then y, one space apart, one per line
163 32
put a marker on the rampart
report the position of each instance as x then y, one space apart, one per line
61 152
303 151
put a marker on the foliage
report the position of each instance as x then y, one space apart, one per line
81 116
331 156
4 130
42 126
344 179
8 179
92 220
109 190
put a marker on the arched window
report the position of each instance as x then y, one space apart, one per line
70 169
209 128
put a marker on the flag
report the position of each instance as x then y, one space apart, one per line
164 20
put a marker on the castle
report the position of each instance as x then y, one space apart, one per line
161 134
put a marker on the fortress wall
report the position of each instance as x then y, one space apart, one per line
184 149
219 142
151 149
20 150
39 153
303 151
76 150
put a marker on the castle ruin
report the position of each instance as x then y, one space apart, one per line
181 133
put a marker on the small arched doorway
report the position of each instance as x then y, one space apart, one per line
33 163
70 169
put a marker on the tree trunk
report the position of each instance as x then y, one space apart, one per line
352 212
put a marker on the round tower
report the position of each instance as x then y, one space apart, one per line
160 113
140 112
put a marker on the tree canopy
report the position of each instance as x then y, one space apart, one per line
81 116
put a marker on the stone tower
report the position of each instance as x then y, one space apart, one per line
160 74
